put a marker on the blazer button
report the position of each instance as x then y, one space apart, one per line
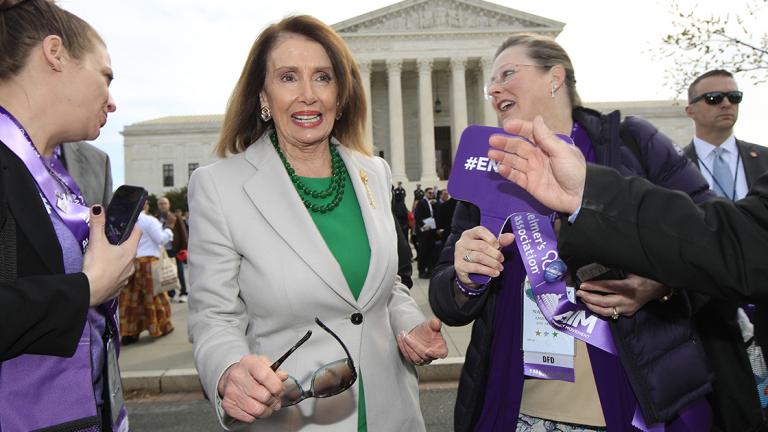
356 318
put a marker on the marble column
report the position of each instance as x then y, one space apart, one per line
365 75
459 103
489 115
426 123
396 130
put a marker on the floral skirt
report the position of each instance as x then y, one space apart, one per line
140 309
534 424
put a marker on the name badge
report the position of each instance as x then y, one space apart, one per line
115 383
548 352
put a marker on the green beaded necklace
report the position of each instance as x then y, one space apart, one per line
335 189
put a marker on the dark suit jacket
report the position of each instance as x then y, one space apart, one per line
90 168
422 212
719 329
753 156
716 247
42 310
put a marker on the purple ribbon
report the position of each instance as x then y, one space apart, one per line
537 244
505 206
54 182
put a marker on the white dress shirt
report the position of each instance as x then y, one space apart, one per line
153 235
706 155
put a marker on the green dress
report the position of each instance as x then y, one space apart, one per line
343 230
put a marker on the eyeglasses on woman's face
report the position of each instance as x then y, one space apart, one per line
716 97
329 380
506 73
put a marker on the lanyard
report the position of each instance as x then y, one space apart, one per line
57 188
714 180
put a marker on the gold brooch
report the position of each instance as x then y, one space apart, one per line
364 178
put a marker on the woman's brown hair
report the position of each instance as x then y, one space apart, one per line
242 121
547 53
25 23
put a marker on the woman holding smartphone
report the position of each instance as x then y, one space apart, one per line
58 273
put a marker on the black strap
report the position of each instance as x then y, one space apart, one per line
631 142
7 246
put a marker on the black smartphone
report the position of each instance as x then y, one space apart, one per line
123 211
596 272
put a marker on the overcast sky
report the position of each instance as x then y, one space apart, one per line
183 57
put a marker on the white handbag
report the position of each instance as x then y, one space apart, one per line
165 274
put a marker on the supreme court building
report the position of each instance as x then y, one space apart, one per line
423 65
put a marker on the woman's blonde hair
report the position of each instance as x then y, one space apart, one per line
242 120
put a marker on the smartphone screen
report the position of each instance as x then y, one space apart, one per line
122 212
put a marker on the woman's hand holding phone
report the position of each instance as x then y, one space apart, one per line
108 267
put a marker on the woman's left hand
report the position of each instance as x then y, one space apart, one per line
424 343
614 298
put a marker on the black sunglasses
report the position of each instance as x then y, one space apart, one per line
716 97
327 381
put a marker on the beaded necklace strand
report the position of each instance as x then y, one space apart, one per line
334 190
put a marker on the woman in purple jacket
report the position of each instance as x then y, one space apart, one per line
654 337
58 276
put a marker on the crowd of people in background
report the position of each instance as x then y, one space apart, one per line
426 222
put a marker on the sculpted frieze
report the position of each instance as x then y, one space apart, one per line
440 15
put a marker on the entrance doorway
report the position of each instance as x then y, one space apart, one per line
443 156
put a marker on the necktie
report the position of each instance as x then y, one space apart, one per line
722 175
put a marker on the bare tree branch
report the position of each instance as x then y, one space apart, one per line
700 43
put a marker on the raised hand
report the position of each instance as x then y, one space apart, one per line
552 171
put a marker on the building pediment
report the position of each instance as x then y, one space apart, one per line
445 16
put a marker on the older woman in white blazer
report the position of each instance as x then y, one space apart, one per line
295 225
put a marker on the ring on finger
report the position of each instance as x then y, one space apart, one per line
615 314
467 257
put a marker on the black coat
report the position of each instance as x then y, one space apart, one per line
735 402
42 310
717 249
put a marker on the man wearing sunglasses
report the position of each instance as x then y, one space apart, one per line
730 166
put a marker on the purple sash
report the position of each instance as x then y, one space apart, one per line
57 187
506 207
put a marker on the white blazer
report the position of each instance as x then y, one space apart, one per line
261 272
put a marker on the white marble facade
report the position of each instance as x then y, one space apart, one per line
410 54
